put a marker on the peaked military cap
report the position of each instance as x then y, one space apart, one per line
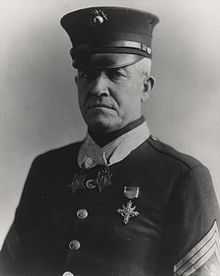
105 30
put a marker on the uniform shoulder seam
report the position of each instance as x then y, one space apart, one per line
71 146
171 155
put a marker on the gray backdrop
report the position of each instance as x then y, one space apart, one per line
38 106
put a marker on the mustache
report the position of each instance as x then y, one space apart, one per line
93 102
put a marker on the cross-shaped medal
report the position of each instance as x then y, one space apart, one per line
128 211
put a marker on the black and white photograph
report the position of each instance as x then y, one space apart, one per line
110 138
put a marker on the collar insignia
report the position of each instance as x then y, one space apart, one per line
128 211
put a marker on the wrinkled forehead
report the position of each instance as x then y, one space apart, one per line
105 60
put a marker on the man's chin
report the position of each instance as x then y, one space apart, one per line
102 124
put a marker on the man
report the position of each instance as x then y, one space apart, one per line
120 202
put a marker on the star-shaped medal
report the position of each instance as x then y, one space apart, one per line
128 211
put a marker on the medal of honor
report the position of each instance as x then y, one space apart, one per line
78 182
100 178
128 211
103 178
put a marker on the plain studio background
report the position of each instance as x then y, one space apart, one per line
38 100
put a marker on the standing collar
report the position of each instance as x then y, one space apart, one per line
91 154
104 139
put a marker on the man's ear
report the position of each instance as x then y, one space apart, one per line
148 86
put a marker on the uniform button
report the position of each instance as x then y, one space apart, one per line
68 273
149 50
88 163
74 245
82 213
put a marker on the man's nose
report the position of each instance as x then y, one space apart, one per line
100 84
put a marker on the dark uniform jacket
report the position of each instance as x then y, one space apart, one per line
171 228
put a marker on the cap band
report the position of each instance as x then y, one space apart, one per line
117 44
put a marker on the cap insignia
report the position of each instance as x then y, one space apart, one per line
98 17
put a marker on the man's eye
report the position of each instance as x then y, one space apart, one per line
115 74
87 74
83 74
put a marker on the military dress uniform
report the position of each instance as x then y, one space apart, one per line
132 207
135 207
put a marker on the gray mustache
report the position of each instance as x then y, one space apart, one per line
91 103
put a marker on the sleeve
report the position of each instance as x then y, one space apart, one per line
197 227
12 255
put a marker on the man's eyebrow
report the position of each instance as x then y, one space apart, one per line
125 69
122 68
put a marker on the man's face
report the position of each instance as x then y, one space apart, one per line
111 98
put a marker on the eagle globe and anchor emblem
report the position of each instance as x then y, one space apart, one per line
98 17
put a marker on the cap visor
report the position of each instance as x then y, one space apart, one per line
110 60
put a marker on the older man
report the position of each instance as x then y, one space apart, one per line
120 202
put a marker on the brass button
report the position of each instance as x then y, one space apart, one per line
82 213
68 273
149 50
74 245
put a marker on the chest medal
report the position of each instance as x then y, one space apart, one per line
96 178
128 210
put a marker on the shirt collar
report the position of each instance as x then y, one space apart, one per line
91 154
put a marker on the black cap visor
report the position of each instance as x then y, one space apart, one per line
105 60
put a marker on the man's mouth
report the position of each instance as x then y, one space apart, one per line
93 106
